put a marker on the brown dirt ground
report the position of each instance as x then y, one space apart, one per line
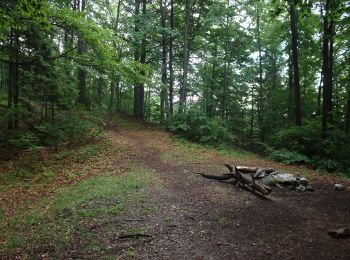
197 218
190 217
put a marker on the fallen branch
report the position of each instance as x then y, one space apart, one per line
240 179
137 235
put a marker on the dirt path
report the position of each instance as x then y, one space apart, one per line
176 214
196 218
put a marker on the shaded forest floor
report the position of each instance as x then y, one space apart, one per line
134 195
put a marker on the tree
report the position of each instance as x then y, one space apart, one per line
295 61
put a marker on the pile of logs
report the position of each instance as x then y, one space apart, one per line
245 177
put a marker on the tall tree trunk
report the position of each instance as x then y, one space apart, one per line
99 92
295 62
137 55
111 97
252 116
261 98
82 98
113 93
212 85
164 102
291 110
327 53
16 81
224 91
10 81
139 88
171 60
347 117
182 101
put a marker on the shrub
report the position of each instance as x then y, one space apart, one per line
74 127
301 139
197 127
289 157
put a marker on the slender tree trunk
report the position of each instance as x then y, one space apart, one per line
212 85
291 110
16 81
113 93
171 70
137 56
118 93
327 53
10 81
164 103
224 92
252 115
182 101
261 98
82 99
295 62
99 92
111 97
139 88
319 95
347 117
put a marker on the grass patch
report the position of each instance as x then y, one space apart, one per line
130 253
32 167
55 223
235 152
119 121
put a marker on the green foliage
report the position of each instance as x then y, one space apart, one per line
289 157
74 127
303 139
197 127
328 165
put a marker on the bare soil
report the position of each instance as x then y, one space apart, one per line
185 216
197 218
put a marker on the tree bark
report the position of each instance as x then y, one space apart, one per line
261 98
111 97
295 62
164 101
347 119
82 98
327 53
139 88
211 105
224 92
171 70
16 81
182 101
10 81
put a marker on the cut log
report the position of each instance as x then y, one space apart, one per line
246 169
240 179
216 177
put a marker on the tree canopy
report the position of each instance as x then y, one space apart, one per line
269 76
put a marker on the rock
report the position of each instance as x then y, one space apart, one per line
340 233
260 173
338 186
301 188
303 181
309 187
281 178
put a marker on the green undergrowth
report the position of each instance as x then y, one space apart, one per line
52 224
34 168
122 122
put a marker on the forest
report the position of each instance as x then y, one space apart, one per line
117 118
268 76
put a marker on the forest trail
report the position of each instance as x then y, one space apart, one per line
196 218
180 215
